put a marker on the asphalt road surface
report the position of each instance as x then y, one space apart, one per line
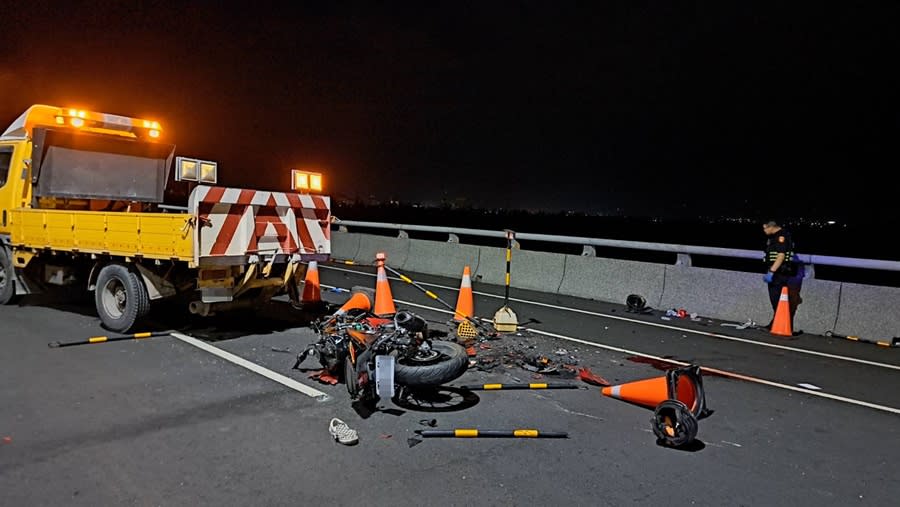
217 416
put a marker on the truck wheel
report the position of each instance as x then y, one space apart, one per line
121 298
144 308
7 287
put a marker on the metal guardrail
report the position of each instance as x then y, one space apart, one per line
683 251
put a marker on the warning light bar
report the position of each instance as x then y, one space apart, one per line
107 123
82 120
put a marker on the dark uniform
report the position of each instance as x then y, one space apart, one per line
786 276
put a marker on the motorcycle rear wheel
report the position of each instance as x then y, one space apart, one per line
447 363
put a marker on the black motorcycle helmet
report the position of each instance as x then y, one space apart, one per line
636 303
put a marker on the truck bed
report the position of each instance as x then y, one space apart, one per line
149 235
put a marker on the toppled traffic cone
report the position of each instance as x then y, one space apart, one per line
683 384
357 301
384 300
781 324
465 305
677 400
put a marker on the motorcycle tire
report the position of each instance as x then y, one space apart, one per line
351 378
451 362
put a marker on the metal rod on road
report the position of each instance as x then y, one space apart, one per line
346 262
106 339
497 387
476 433
895 342
432 295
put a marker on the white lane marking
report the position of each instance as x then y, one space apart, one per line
664 326
810 386
707 369
255 368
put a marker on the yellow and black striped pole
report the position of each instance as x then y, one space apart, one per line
346 262
895 342
509 242
430 294
498 387
106 339
476 433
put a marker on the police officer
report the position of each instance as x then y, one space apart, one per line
781 270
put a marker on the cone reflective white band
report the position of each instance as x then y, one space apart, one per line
616 392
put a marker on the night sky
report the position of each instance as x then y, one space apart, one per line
735 108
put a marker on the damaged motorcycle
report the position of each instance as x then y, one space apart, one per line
380 357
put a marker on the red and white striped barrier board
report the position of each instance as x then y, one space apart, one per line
240 222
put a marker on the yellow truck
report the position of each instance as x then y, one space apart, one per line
85 203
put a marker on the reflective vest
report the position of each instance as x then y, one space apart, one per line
772 252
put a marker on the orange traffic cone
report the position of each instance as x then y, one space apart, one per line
384 300
311 291
684 385
465 305
357 301
781 324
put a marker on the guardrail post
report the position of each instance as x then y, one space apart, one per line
589 251
403 234
342 228
683 259
453 238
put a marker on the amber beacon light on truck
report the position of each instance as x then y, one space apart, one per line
91 121
191 169
306 181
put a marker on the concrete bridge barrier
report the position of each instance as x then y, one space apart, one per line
396 249
818 310
716 293
739 296
612 280
344 246
441 258
539 271
845 308
869 311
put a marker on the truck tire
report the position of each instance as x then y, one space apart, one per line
7 286
120 297
144 308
